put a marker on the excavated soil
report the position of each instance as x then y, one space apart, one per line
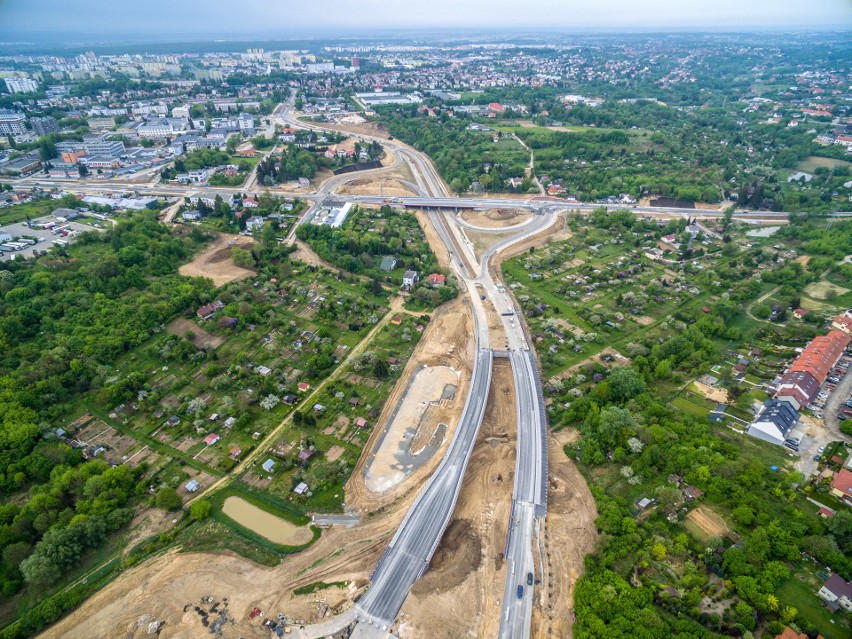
447 341
460 593
569 535
376 186
495 218
216 262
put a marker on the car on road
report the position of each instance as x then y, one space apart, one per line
520 592
817 457
821 449
529 579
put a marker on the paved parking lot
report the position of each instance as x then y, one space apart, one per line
19 229
816 433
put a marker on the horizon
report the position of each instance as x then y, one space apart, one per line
86 22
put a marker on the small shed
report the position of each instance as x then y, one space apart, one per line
192 485
268 465
361 422
301 489
211 439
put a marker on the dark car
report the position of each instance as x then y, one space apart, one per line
817 458
520 592
529 579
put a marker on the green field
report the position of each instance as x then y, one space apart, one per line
814 162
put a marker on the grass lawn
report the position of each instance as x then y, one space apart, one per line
687 405
19 212
802 596
813 162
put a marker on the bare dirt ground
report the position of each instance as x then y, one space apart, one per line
427 385
376 186
365 128
216 262
713 394
460 593
448 341
569 535
483 241
201 338
705 524
434 240
306 254
495 218
820 290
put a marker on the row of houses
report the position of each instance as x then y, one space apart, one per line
801 383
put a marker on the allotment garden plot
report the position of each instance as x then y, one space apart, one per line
313 457
268 340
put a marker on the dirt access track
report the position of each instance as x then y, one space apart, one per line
495 218
216 262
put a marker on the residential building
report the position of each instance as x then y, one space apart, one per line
409 278
21 85
774 421
388 263
254 222
841 485
789 633
798 388
12 123
209 310
181 111
843 322
815 362
211 439
196 176
191 216
44 125
268 465
437 279
836 593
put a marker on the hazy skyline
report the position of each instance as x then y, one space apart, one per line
289 19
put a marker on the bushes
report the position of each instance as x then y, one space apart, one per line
168 499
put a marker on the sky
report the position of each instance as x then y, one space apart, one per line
286 18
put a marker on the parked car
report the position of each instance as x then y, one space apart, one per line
529 579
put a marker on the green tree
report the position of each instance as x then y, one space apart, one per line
168 498
200 509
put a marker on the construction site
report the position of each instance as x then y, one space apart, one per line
180 595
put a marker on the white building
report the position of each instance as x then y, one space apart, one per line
21 85
254 222
409 278
12 123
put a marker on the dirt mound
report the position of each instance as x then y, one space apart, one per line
458 555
